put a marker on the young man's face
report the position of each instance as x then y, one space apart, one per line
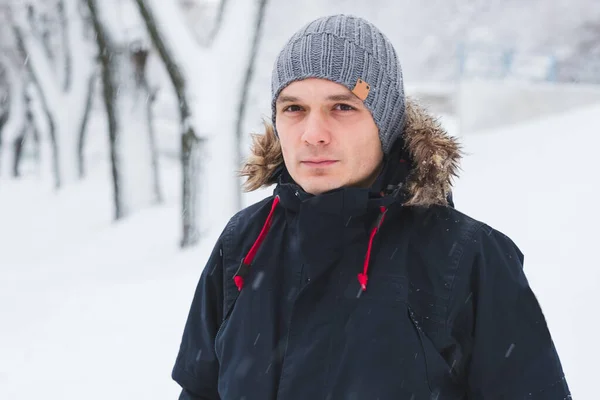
328 137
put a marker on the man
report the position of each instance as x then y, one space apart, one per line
358 279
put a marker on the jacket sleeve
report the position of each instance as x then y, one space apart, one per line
512 354
196 366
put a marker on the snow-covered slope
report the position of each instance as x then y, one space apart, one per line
538 183
89 308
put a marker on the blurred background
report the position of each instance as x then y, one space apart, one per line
123 123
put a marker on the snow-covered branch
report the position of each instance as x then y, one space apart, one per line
209 81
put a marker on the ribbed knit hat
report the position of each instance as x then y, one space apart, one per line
353 52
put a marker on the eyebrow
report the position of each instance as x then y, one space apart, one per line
344 97
335 97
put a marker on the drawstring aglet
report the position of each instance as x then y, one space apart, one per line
239 282
240 274
362 279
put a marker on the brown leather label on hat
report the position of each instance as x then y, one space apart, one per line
361 89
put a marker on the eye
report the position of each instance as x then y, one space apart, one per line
344 107
292 108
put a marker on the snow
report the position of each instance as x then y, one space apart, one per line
90 306
535 183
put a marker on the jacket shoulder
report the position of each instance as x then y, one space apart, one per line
444 232
450 233
448 245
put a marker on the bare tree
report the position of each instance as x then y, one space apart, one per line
209 88
11 87
81 165
16 115
127 96
50 36
13 111
248 76
5 97
29 133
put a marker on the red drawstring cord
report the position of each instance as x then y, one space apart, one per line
247 261
263 233
363 277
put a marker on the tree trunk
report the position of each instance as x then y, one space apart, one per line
83 126
153 144
108 94
140 58
3 120
4 96
246 89
190 142
56 170
191 147
11 114
18 145
126 96
68 61
4 106
28 132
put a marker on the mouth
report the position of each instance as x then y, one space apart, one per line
318 163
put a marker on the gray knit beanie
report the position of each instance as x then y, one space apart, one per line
350 51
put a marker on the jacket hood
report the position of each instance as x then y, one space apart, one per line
434 159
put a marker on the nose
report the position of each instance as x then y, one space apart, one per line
316 130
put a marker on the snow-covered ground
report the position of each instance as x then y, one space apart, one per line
92 309
538 183
89 308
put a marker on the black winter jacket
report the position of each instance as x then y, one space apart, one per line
385 293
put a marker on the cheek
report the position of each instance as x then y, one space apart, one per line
367 148
370 155
286 142
283 138
287 150
285 132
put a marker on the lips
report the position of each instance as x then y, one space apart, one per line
318 163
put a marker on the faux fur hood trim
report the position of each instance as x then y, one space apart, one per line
435 158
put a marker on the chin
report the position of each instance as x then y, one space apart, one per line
319 189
